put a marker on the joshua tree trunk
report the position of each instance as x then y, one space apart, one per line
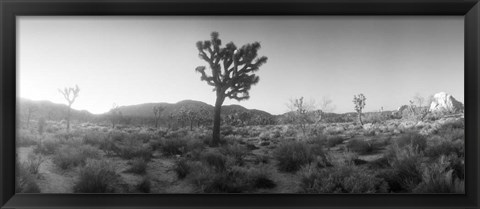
216 118
360 118
68 118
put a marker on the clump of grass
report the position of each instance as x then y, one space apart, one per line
238 152
182 168
172 146
414 139
341 179
97 176
406 163
47 147
145 185
25 181
438 177
333 141
363 147
139 166
291 156
26 139
445 147
72 156
216 160
33 163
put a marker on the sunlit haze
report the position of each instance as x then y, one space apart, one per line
134 60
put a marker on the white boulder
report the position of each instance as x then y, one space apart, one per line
443 102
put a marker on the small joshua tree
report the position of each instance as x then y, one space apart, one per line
70 94
157 110
359 101
115 115
232 71
303 113
31 109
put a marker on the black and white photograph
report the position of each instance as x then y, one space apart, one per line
240 104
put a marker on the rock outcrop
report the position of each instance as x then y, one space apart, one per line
443 102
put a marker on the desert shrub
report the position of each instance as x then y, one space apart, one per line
97 176
171 147
293 155
47 147
41 125
363 147
232 180
33 163
412 138
260 179
342 179
238 152
452 131
445 147
216 160
379 163
26 139
182 168
333 141
261 159
129 147
406 164
72 156
95 138
25 181
139 166
145 185
438 178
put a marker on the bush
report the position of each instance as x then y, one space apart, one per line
97 176
446 147
72 156
238 152
292 156
333 141
438 178
145 185
139 166
215 160
412 138
363 147
182 168
33 163
48 147
171 146
26 139
25 181
342 179
406 164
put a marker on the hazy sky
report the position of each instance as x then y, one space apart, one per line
133 60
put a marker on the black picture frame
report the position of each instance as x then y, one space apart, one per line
470 9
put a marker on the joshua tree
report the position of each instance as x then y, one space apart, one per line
359 101
31 108
115 115
304 113
156 111
70 94
232 71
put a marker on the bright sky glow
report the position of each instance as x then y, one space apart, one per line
133 60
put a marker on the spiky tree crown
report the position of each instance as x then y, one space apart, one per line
232 68
70 94
359 101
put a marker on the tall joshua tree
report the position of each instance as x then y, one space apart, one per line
70 94
156 111
232 71
359 101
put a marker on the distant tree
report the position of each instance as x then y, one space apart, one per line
326 104
418 100
231 72
31 109
303 113
244 117
157 110
359 101
70 94
115 115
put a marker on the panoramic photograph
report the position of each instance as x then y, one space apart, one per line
240 104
